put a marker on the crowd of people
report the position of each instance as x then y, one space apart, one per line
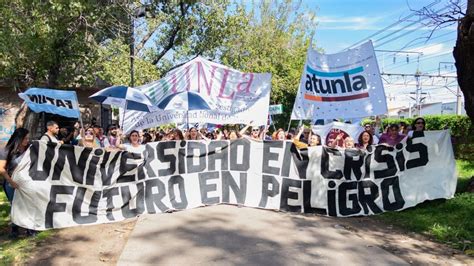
113 139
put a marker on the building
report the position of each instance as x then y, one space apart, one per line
438 108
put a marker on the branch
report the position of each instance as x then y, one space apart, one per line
174 33
145 39
176 66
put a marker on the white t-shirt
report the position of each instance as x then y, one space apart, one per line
130 148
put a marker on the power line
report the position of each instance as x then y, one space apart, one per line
418 61
411 31
414 13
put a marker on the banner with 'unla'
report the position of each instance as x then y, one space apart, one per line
342 85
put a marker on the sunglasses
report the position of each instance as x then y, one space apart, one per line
255 130
89 133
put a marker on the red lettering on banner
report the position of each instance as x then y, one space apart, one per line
187 78
249 83
222 89
174 84
203 73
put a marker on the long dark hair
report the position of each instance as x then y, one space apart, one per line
417 119
371 139
14 142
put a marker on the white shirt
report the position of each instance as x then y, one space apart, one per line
130 148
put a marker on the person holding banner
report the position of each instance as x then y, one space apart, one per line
365 140
233 135
314 139
134 143
255 134
418 127
392 137
52 130
113 136
88 139
10 157
279 135
193 134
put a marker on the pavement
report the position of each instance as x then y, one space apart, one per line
229 235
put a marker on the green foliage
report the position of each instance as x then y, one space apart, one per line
448 221
114 65
55 42
274 41
15 252
458 125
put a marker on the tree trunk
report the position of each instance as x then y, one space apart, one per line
25 118
464 56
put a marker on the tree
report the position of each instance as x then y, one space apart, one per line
275 40
72 43
55 43
463 52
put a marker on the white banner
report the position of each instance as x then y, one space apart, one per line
329 132
214 94
342 85
63 185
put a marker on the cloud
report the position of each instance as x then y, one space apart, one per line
431 49
347 23
367 23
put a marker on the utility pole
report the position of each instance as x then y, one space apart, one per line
137 12
418 95
458 101
132 49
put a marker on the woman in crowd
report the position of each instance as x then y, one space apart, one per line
365 140
133 144
10 157
392 137
418 127
225 133
233 135
88 138
193 134
279 134
314 139
178 134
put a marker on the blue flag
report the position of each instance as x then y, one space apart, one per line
58 102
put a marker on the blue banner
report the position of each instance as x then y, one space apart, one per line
58 102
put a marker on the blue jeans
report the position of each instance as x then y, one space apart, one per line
10 191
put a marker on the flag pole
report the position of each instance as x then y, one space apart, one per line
79 108
123 116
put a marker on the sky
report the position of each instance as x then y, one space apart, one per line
343 23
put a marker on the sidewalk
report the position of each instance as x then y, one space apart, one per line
228 235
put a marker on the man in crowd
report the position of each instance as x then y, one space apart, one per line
101 139
52 130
